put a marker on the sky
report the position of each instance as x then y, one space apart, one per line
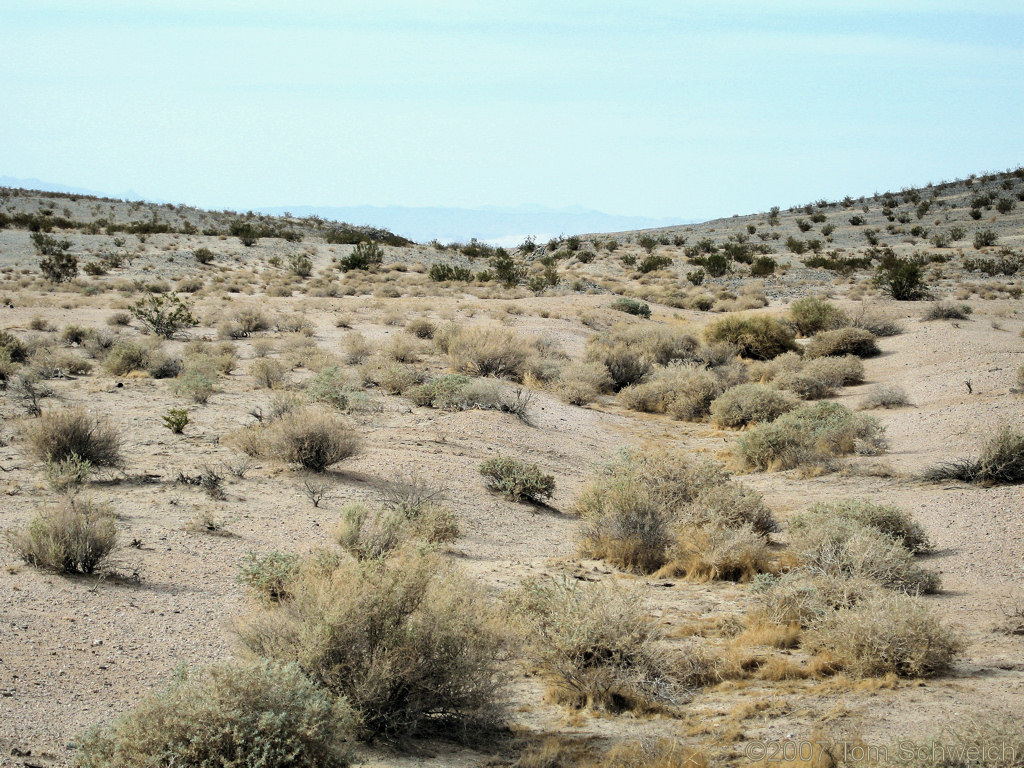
666 109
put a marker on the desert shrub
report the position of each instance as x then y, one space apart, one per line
365 255
811 314
176 419
164 314
421 328
582 383
821 377
268 576
268 372
240 715
631 306
409 642
625 365
196 381
312 438
75 537
68 474
445 272
885 396
725 553
13 348
984 238
763 266
633 510
1001 462
887 519
163 366
300 264
759 337
991 738
369 534
488 351
331 386
842 341
393 377
356 347
125 357
902 279
803 597
653 263
517 480
597 646
886 634
203 255
59 435
749 404
942 311
810 436
850 546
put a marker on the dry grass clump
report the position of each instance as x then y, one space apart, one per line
58 436
943 311
803 598
310 437
231 714
993 739
812 314
582 383
886 634
842 341
758 336
810 436
393 377
635 510
74 537
457 392
885 396
412 645
517 480
489 351
885 518
598 647
1001 462
750 404
368 534
719 552
849 546
268 372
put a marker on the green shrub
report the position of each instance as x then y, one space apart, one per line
488 351
887 634
60 435
75 537
269 575
842 341
164 314
810 436
943 311
59 267
763 266
125 357
244 716
811 314
364 256
821 377
300 264
333 387
196 382
176 419
759 337
445 272
902 279
984 238
410 643
12 348
749 404
203 255
517 480
685 391
631 306
653 263
885 397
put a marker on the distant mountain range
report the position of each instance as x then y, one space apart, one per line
493 224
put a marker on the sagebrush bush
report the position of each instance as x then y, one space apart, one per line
719 552
488 351
630 352
810 436
60 435
887 634
750 404
885 396
74 537
685 391
804 598
582 383
238 715
312 438
758 337
268 372
598 647
518 480
821 377
197 381
631 306
812 314
13 348
412 645
842 341
848 546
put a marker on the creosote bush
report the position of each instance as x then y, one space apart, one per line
518 480
758 337
59 435
411 644
164 314
312 438
74 537
238 715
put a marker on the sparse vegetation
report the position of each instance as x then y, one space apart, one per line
758 337
518 480
73 537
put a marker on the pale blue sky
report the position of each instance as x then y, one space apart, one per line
688 109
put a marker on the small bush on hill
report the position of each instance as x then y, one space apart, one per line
244 716
582 383
488 351
902 279
365 255
312 438
887 519
759 337
60 435
164 314
885 396
517 480
749 404
631 306
75 537
842 341
943 311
